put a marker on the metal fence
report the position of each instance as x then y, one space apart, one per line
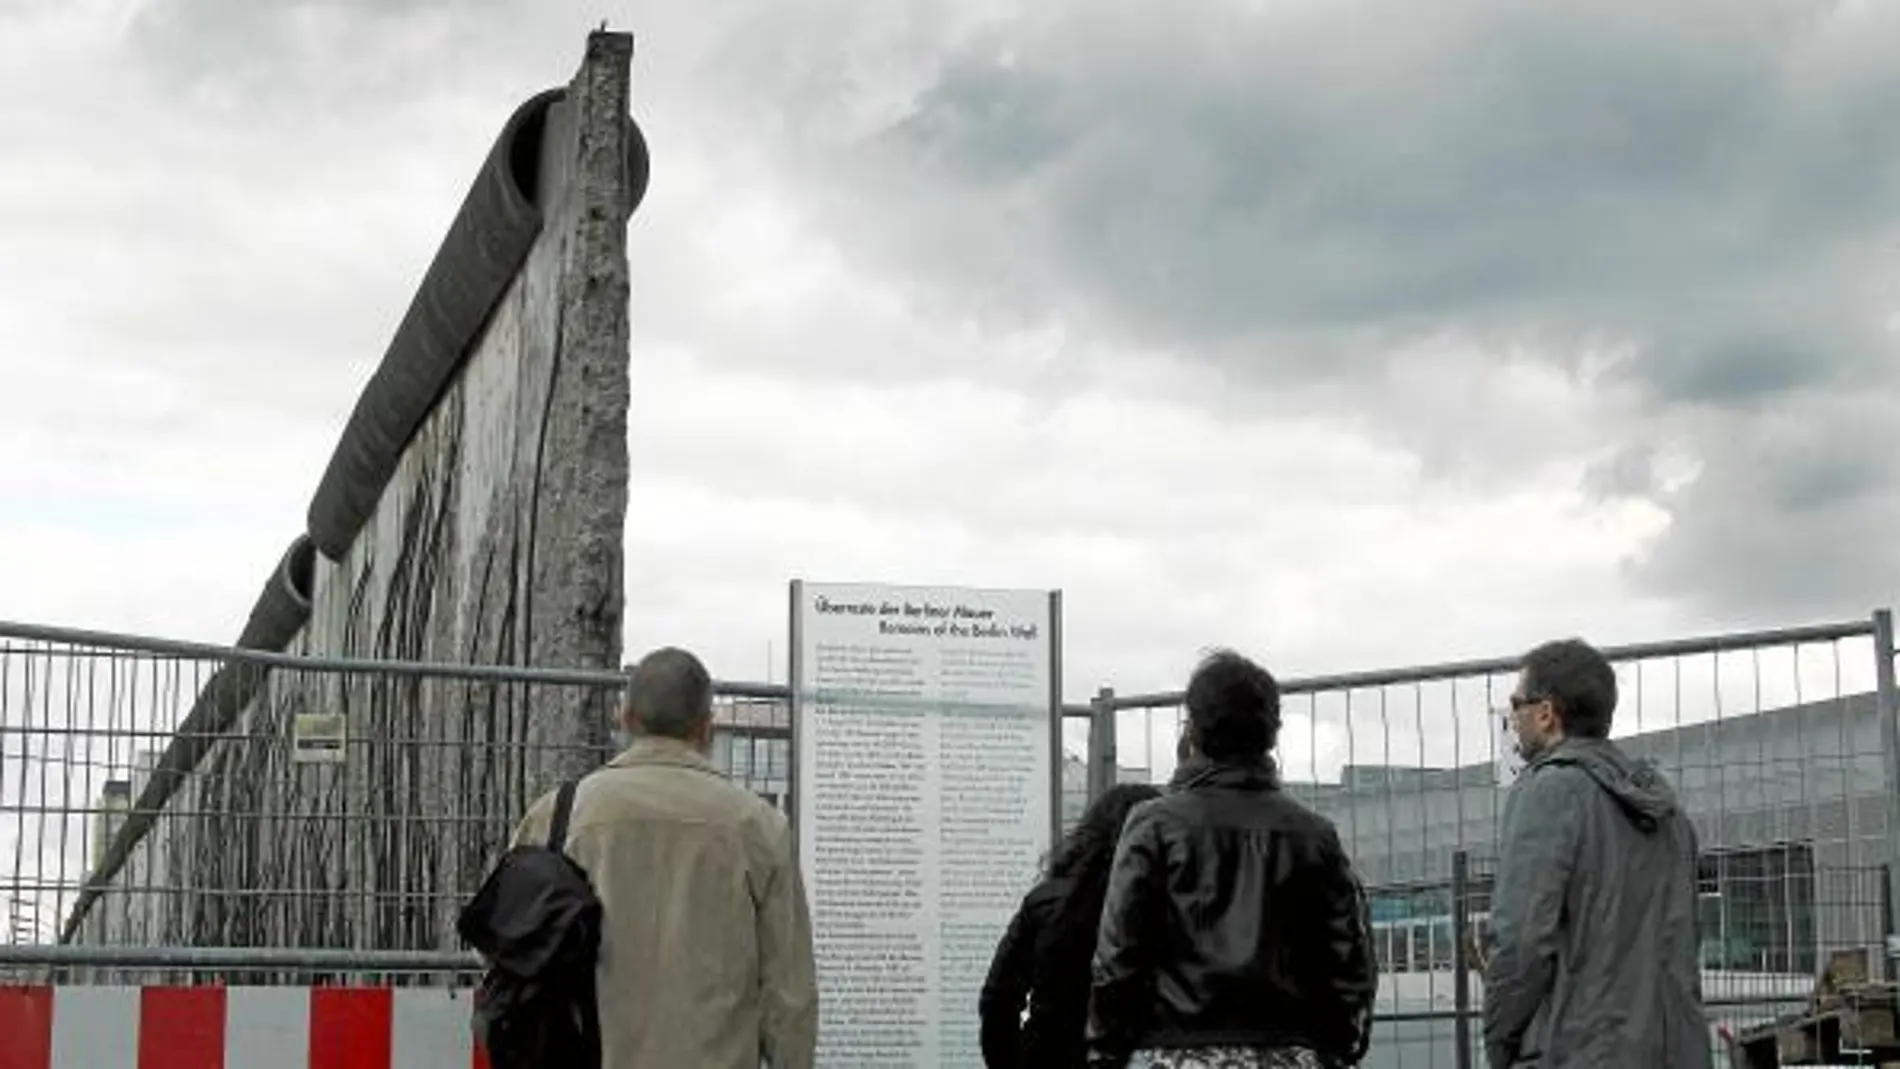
177 810
1781 745
187 811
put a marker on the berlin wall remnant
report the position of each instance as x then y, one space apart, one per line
473 512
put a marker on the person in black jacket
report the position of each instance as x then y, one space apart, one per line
1235 933
1043 959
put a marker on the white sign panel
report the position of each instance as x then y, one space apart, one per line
925 725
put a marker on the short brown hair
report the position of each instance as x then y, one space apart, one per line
1579 683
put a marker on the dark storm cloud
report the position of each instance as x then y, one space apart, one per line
1793 512
1711 190
1584 169
1293 197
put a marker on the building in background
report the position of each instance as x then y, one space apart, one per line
1789 805
752 743
109 811
138 903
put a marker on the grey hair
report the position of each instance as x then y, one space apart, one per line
669 693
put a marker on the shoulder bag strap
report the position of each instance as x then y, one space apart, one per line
563 812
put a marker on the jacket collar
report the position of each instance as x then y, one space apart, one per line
659 750
1186 771
1569 750
1257 775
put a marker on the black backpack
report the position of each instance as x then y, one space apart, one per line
536 922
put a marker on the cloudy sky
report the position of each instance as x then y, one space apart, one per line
1343 332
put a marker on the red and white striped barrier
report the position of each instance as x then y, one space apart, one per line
235 1028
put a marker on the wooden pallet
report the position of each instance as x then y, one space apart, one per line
1850 1019
1845 1035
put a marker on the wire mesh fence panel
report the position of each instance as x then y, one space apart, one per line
1078 755
152 802
213 813
1769 921
1771 740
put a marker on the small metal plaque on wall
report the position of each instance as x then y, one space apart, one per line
318 739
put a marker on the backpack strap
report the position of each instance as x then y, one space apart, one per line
563 812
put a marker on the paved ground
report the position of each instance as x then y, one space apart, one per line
1418 1045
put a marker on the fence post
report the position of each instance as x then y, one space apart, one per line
1887 707
1886 906
1460 962
1102 755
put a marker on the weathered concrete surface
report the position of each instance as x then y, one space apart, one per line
498 540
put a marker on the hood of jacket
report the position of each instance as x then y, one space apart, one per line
1638 789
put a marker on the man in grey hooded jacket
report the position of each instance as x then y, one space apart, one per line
1594 956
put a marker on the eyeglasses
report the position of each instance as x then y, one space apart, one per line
1519 701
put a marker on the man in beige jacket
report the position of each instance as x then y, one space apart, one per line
706 950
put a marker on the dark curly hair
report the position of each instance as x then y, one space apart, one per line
1233 707
1085 854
